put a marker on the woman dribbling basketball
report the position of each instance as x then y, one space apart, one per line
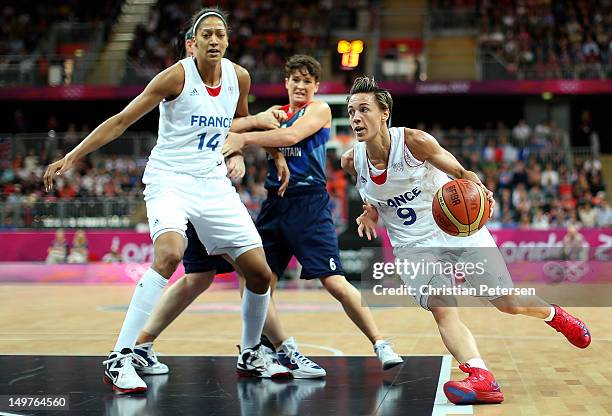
398 171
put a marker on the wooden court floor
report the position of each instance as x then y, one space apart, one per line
540 373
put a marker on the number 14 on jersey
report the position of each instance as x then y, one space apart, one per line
212 143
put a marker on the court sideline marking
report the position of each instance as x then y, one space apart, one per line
442 407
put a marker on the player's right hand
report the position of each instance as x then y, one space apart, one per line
56 168
366 222
235 167
267 120
283 173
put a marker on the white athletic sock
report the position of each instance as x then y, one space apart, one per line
377 343
148 291
477 362
551 315
254 311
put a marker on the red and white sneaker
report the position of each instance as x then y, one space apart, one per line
119 372
478 387
573 328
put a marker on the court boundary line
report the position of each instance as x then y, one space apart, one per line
441 406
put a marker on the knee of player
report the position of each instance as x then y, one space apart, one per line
168 257
511 309
507 304
443 313
338 287
261 275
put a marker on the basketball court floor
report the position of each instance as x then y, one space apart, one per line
53 339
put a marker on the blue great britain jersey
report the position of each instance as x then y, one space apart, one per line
306 159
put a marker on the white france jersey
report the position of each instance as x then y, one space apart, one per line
404 200
193 126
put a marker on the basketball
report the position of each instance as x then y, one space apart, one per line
460 208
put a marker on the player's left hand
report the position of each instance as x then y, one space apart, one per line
235 167
489 196
366 222
234 142
283 173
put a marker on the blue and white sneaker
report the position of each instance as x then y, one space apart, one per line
145 350
300 366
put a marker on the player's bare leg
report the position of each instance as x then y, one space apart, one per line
456 336
350 299
480 385
571 327
173 302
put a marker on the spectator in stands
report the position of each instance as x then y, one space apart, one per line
603 214
79 251
587 215
507 220
550 178
574 244
524 222
521 132
113 255
540 220
56 253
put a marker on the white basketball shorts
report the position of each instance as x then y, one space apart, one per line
213 206
477 254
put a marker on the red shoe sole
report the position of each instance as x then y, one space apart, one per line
120 390
459 395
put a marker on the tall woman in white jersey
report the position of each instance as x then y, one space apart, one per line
398 171
186 180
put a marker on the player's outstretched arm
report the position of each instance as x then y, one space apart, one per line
266 120
317 116
167 84
425 147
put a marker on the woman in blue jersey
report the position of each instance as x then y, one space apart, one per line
185 179
300 224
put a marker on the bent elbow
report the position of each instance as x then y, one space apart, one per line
345 162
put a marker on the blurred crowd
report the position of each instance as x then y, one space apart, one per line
542 39
262 33
536 183
25 24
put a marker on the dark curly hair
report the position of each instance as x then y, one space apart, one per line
305 64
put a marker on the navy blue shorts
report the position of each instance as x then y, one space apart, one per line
197 260
300 225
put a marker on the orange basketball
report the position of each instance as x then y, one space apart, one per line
460 208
